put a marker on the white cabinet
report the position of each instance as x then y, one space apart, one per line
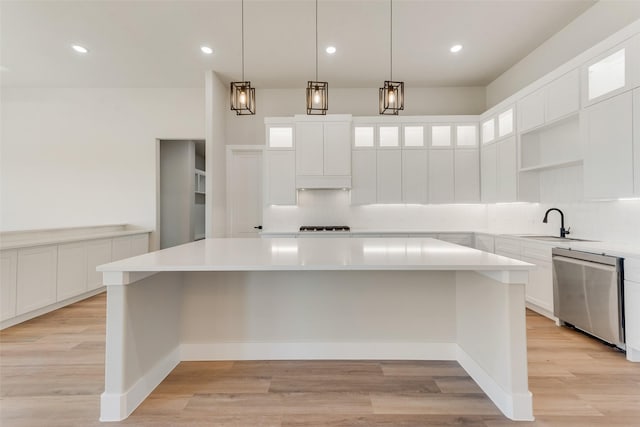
467 176
607 75
505 123
531 110
36 278
98 253
389 176
279 134
309 149
563 96
607 136
72 270
128 246
488 173
632 307
488 131
364 185
8 283
484 243
414 176
636 138
539 290
441 176
280 178
323 153
463 239
507 171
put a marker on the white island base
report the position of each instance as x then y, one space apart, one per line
410 299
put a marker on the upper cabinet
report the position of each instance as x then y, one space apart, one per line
488 131
323 151
612 72
279 162
550 103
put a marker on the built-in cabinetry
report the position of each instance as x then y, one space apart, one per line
323 151
498 157
539 289
38 277
280 162
632 307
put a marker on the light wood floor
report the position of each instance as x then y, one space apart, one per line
52 372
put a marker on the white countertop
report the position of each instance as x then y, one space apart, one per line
30 238
284 254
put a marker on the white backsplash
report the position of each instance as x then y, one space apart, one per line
333 207
610 221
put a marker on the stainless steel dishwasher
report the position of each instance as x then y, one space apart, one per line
588 293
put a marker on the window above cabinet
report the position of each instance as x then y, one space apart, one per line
505 123
388 137
441 136
363 137
280 137
488 131
413 136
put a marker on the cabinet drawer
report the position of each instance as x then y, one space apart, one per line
537 252
507 247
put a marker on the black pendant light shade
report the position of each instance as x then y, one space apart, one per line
317 92
243 96
317 98
391 98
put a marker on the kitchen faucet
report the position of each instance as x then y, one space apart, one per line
563 232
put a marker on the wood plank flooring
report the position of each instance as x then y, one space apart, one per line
52 374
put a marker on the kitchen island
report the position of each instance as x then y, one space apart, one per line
341 298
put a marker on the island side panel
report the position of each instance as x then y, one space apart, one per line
491 334
319 315
142 343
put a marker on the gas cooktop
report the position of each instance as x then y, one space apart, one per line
325 228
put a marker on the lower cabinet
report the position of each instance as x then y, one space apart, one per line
36 284
72 270
8 282
128 246
98 253
484 243
632 308
463 239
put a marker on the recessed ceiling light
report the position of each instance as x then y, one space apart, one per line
206 49
79 49
331 50
456 48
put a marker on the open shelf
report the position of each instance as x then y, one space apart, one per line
555 165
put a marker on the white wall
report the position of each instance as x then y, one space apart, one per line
359 102
73 157
332 207
594 25
217 105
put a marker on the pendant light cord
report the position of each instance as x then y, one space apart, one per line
316 40
242 24
391 39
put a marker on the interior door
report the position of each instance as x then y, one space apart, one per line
244 192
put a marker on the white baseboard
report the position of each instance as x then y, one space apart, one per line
319 351
633 355
46 309
516 406
118 406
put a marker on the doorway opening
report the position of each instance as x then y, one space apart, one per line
181 191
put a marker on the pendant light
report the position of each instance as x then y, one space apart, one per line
317 92
243 96
391 96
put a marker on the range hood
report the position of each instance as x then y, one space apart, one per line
323 182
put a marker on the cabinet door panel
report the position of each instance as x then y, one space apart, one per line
441 176
8 284
488 173
632 319
414 176
36 278
337 149
139 244
72 270
98 253
309 149
389 176
507 175
281 177
563 95
531 110
467 176
363 189
636 136
608 151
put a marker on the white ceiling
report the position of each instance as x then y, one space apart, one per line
156 43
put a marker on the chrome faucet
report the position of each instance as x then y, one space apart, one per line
563 231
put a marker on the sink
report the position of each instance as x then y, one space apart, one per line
552 238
